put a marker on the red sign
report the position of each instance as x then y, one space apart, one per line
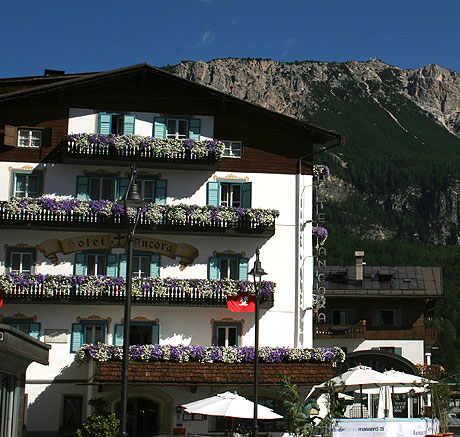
241 303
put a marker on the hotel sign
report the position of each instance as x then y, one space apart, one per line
51 248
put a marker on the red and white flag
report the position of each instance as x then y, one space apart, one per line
241 303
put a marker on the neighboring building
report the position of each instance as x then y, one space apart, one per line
17 351
263 166
376 314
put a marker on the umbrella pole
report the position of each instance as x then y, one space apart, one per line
361 399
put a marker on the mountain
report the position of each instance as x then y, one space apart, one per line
394 190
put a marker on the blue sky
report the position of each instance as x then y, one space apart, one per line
96 35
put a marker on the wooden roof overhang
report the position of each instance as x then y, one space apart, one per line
194 373
145 88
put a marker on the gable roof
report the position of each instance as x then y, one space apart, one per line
381 281
319 135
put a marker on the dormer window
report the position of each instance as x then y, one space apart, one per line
385 276
339 277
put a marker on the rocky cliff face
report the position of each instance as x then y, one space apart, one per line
286 87
402 113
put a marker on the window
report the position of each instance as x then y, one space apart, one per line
235 194
96 187
387 318
177 127
115 123
233 149
29 138
228 267
226 334
26 184
26 325
144 265
96 263
340 316
230 194
88 332
390 349
72 407
152 190
140 333
20 260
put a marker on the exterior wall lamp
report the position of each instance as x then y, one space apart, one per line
257 272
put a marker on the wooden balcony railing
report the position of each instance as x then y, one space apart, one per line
38 293
144 157
72 221
368 333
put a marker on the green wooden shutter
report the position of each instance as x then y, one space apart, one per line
213 268
159 127
195 128
105 123
123 265
376 318
128 124
243 269
398 317
398 351
80 264
122 187
155 264
328 314
76 339
212 194
246 197
34 330
112 264
160 191
118 335
155 334
82 187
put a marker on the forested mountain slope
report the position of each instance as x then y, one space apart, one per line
395 186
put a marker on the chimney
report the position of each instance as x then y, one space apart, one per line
359 255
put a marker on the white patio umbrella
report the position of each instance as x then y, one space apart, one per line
356 378
230 405
385 406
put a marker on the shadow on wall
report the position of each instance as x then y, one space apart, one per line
45 414
186 184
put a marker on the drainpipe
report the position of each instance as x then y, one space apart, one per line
298 229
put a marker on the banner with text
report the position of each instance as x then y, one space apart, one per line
185 252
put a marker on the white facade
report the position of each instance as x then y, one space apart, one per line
286 257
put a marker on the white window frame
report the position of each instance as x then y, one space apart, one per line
101 179
89 328
176 134
139 273
21 261
229 195
26 190
141 184
96 263
28 135
233 149
232 263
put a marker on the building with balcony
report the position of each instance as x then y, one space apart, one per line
219 178
378 314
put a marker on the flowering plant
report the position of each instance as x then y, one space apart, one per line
97 285
320 233
319 301
208 354
321 169
164 147
153 213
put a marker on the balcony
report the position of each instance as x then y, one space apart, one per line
364 332
145 151
75 215
34 289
